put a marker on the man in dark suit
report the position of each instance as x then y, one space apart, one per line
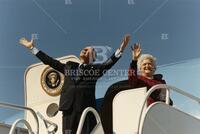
78 91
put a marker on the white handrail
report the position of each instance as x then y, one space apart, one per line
167 88
151 90
83 116
192 97
18 107
14 125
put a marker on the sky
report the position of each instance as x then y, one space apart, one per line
168 29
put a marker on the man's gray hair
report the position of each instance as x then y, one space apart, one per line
146 56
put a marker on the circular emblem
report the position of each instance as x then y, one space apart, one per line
52 81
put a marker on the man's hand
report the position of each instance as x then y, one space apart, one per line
26 43
124 43
136 51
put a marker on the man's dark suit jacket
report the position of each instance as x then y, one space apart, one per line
79 90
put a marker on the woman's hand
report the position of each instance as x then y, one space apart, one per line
136 51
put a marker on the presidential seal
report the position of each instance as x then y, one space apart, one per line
52 81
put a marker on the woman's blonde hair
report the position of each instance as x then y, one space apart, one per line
146 56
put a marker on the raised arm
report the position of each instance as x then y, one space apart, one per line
132 73
115 57
124 43
57 65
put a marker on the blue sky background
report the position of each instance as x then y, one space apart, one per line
168 29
